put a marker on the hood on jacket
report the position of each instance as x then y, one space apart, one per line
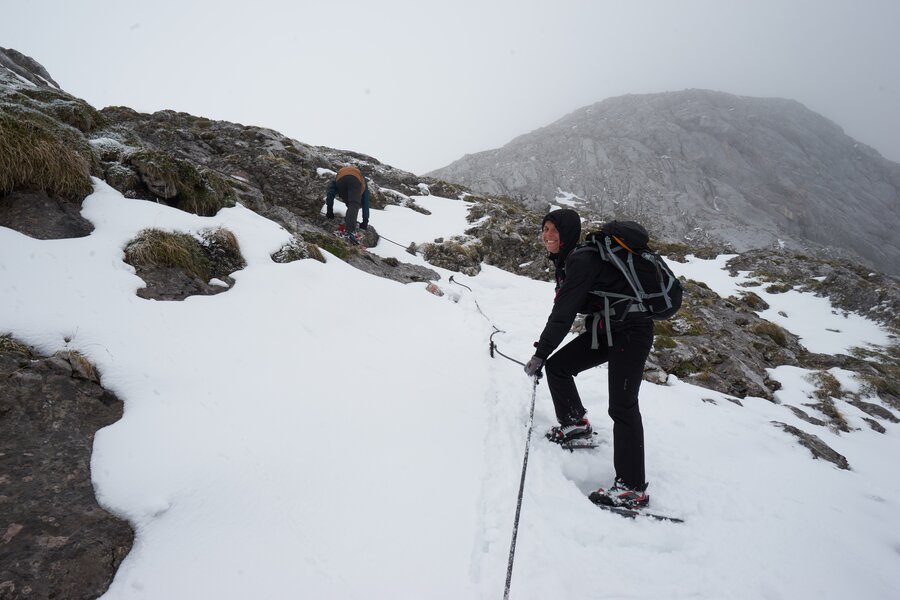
568 223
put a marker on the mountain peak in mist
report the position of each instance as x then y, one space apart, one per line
700 164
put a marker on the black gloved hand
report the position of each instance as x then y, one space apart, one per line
364 225
534 366
329 214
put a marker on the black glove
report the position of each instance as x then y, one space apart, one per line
329 214
534 366
364 225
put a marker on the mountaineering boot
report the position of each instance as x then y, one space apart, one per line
350 238
622 495
560 434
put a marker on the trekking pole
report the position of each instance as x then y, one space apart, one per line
515 532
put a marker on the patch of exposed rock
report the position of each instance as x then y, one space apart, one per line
391 269
38 215
721 344
509 236
816 446
56 541
174 283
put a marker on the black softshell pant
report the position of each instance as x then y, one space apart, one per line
350 191
626 359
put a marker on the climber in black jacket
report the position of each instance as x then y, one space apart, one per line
578 272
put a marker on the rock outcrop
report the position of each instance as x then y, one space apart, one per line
26 68
55 541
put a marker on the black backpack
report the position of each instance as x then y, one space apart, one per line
657 292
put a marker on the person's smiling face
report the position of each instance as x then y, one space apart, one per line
550 237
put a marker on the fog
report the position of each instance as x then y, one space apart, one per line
419 84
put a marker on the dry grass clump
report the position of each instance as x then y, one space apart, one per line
215 254
827 389
773 331
753 301
779 288
663 341
331 243
665 328
157 248
81 366
827 385
222 249
297 250
11 344
35 156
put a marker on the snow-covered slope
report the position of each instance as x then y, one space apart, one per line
319 432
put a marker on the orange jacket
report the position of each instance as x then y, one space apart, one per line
345 171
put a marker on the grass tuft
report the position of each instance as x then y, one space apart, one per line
663 341
297 250
157 248
36 156
753 301
215 254
223 251
11 344
332 244
773 331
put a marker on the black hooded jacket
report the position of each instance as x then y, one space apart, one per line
577 274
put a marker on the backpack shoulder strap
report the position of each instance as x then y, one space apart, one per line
626 266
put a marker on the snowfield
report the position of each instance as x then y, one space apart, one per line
319 432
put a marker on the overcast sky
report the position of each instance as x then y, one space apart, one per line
418 84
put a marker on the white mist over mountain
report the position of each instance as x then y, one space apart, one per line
418 85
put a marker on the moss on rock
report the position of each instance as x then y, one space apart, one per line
191 189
